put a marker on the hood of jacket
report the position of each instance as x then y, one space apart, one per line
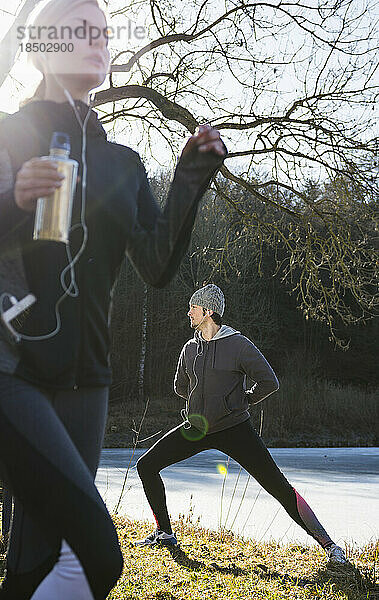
61 114
223 332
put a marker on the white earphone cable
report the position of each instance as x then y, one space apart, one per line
72 289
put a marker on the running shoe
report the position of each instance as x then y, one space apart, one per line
336 556
158 537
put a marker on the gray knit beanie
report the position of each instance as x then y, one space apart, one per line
209 297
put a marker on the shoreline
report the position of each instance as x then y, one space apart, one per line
124 440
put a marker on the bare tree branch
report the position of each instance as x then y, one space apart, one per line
291 87
8 49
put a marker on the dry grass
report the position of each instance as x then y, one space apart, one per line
305 412
211 565
220 566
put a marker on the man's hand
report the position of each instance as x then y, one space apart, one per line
206 139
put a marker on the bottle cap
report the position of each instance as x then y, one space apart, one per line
60 141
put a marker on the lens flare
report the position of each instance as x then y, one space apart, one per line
222 469
198 429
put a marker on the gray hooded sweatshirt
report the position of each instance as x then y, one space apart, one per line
212 377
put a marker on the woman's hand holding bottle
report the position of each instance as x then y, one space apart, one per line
36 178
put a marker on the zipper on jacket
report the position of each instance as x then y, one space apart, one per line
202 383
196 382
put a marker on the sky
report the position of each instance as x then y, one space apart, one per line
11 91
24 79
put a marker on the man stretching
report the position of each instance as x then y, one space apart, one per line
211 375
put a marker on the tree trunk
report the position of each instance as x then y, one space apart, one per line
8 46
141 371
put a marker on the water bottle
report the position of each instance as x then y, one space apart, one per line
53 214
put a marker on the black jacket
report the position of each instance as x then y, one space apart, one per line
211 376
121 215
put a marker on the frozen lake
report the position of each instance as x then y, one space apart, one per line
340 484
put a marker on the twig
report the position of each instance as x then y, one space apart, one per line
136 440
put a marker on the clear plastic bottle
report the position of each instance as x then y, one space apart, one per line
53 213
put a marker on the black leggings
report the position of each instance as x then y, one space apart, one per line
49 478
243 444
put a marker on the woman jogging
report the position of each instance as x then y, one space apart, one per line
54 356
210 375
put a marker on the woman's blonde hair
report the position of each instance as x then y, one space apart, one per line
46 14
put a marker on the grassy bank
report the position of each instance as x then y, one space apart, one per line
215 566
304 412
212 565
